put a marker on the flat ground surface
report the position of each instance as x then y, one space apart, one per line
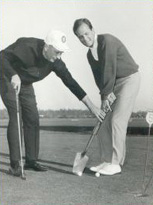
59 186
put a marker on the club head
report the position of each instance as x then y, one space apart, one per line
23 177
79 164
141 195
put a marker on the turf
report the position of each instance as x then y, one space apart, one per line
59 186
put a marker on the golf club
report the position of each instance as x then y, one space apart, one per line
149 119
19 135
81 159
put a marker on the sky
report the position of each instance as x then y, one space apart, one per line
128 20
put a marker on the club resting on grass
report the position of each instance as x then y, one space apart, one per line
81 159
19 135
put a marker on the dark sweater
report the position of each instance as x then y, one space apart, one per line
25 58
114 61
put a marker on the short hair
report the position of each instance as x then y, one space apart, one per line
79 22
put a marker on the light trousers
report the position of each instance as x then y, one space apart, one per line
112 134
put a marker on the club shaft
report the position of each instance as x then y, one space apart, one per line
144 187
96 128
95 131
19 133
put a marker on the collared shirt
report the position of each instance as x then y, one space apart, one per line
25 58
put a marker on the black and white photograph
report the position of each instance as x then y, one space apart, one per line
76 105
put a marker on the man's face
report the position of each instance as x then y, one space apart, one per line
52 53
86 35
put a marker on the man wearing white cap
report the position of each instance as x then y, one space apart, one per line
24 62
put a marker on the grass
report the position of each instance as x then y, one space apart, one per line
59 186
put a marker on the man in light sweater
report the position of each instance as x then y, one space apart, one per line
24 62
116 72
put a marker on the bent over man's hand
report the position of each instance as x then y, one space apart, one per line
96 111
16 83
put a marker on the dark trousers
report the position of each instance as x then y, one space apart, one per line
29 117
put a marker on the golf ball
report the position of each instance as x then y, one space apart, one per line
97 174
79 174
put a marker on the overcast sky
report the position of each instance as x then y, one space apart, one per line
129 20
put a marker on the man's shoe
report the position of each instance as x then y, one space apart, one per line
110 169
16 171
35 166
99 167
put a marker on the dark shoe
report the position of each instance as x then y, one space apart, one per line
35 166
16 171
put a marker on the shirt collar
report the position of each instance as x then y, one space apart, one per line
95 45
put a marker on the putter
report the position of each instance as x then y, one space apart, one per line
81 159
149 119
19 135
